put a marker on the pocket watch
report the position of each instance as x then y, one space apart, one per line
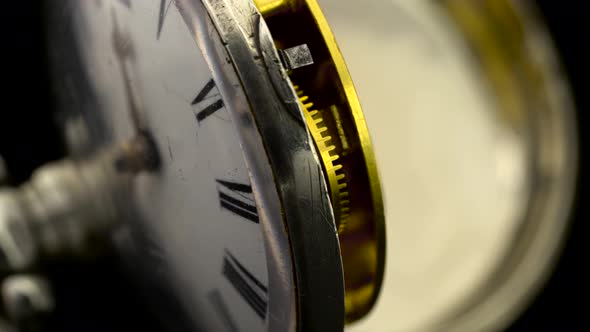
220 144
217 151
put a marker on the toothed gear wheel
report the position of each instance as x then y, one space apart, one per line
333 169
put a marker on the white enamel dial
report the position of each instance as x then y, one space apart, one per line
200 208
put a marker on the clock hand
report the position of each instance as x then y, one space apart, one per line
125 53
139 153
162 16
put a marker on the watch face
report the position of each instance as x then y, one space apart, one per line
200 210
201 204
234 229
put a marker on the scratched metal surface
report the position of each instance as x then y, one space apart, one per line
298 175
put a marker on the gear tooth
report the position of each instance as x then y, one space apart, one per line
325 138
327 150
334 167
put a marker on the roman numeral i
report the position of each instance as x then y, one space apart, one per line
211 108
249 288
237 198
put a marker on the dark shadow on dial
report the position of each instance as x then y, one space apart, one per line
92 296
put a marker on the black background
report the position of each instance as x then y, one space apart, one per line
96 297
563 303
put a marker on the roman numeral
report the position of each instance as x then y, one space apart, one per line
237 198
251 290
164 7
211 108
219 305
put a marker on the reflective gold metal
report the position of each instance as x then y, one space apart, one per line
328 83
333 170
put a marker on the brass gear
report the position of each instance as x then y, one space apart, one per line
342 141
333 170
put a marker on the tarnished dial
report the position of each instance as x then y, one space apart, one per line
263 211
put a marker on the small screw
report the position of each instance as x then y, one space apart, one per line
296 57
